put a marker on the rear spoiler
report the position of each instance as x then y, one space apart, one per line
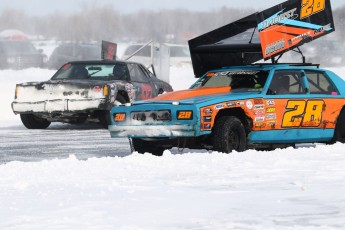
262 35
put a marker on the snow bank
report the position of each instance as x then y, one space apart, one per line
282 189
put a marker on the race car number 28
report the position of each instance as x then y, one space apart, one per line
303 113
310 7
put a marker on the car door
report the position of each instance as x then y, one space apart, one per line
290 111
145 89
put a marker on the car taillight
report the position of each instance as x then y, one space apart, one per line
106 90
16 92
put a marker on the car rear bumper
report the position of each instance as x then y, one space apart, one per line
51 106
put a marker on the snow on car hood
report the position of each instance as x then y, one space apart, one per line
190 93
51 90
198 95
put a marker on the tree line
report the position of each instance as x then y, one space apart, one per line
105 23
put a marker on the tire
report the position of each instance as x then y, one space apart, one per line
31 121
104 115
339 132
142 146
229 134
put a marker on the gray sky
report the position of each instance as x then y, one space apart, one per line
43 7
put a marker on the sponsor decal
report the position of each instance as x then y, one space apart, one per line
231 104
208 111
270 103
300 37
258 101
219 106
323 29
206 126
229 73
259 107
271 110
259 119
274 47
278 18
259 112
207 119
249 104
271 116
260 125
272 124
240 103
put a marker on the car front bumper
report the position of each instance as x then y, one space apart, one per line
60 105
147 131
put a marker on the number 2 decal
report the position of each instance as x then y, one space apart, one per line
146 92
303 113
310 7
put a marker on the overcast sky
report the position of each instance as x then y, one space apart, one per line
43 7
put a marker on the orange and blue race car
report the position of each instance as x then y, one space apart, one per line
260 106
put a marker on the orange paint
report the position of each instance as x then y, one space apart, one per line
273 114
190 93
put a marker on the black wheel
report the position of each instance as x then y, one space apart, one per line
143 146
104 115
31 121
339 132
229 134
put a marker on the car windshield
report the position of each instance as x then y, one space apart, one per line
17 47
91 71
239 80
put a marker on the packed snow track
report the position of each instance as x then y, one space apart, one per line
59 141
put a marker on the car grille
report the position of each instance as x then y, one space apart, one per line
151 116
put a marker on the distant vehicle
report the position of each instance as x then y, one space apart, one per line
73 52
20 54
84 91
179 55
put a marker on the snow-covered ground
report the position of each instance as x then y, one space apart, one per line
283 189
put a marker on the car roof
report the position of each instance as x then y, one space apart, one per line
100 62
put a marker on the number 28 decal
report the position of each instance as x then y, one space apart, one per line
303 113
310 7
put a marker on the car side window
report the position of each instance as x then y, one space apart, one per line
286 82
147 72
120 72
319 83
136 73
